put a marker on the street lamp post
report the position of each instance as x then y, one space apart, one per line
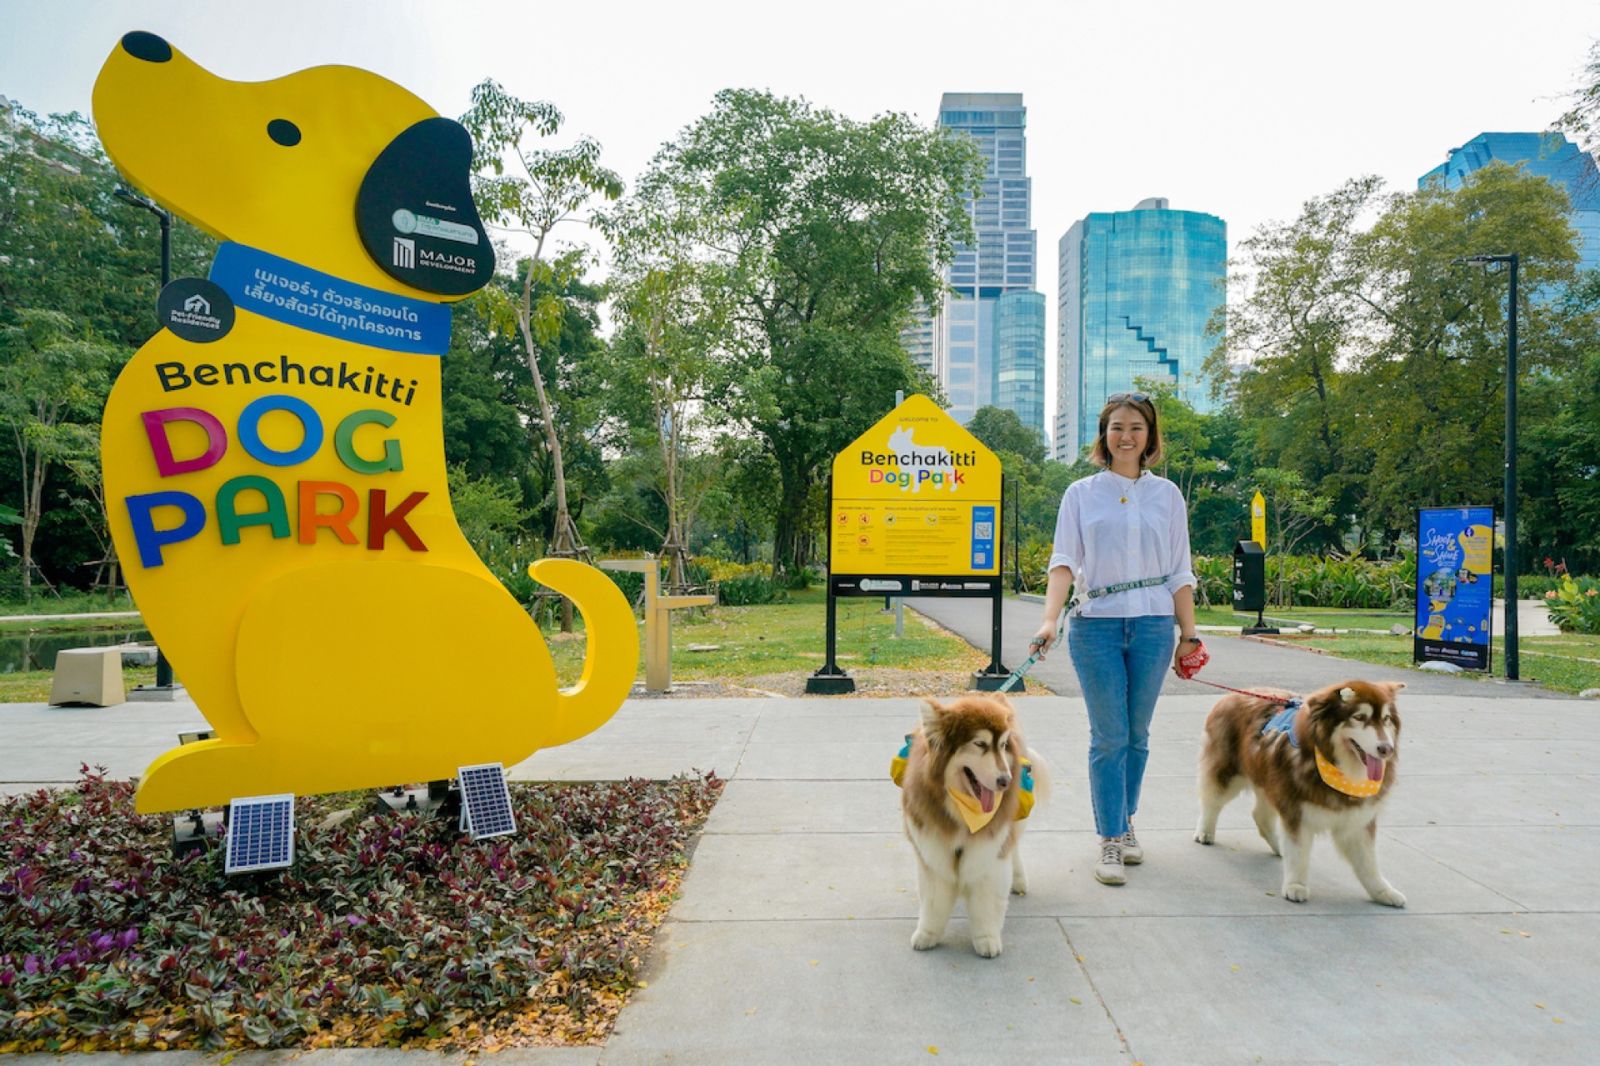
1513 672
128 196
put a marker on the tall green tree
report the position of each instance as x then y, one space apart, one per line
1292 324
673 308
523 186
1370 364
53 383
1001 430
824 230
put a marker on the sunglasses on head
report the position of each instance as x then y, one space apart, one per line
1124 397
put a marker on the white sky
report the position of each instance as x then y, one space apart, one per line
1241 109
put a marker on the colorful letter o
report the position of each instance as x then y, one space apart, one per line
250 429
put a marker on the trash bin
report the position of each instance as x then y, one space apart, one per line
1249 577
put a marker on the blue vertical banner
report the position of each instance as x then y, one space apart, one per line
982 537
1455 586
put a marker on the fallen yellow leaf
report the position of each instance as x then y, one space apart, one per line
1075 999
932 1050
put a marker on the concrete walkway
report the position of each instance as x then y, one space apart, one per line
1235 662
790 942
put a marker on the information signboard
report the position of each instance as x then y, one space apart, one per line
1454 586
914 510
916 500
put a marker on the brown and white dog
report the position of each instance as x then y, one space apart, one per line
1328 769
961 793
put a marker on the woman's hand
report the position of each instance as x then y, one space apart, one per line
1185 646
1043 639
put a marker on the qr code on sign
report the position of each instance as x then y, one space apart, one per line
982 530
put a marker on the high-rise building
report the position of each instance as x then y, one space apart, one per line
962 342
1550 156
1020 355
1137 291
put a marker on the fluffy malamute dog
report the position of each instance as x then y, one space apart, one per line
1322 766
963 793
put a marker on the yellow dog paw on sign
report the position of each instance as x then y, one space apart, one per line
274 458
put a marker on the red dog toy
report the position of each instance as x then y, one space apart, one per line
1190 664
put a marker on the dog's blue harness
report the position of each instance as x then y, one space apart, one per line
1283 721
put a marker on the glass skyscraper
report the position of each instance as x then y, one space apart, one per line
1550 156
963 344
1137 289
1019 364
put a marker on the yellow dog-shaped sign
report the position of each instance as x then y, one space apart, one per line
277 492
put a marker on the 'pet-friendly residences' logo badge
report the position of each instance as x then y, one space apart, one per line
196 310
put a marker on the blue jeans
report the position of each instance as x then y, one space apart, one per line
1121 663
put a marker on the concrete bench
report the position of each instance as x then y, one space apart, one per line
88 675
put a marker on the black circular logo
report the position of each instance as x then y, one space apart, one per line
196 310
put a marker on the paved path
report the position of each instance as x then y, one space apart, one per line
790 940
1236 662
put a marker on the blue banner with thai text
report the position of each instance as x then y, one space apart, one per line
297 295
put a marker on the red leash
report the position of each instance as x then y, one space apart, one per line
1189 665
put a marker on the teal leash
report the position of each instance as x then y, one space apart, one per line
1093 594
1016 675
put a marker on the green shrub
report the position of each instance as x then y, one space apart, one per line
749 590
1575 606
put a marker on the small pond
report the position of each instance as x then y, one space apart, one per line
37 651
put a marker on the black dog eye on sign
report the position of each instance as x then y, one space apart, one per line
195 309
415 212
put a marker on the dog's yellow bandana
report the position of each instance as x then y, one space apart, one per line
971 811
1339 781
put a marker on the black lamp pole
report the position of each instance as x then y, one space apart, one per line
1509 563
128 196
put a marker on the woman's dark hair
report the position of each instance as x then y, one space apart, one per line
1138 401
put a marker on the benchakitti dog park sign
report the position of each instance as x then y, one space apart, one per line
916 501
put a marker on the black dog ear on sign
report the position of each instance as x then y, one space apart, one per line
415 212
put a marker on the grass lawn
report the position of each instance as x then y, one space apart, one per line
1557 663
1321 617
759 642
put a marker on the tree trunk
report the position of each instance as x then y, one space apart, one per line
565 542
789 542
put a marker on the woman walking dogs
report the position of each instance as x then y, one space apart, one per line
1122 547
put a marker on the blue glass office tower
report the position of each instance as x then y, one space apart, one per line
1019 360
964 344
1137 289
1550 156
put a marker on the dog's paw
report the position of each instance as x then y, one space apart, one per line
1296 893
1390 897
987 947
1019 886
1205 836
922 940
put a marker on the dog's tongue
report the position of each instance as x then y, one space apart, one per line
986 798
1374 767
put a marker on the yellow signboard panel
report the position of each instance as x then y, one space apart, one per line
274 460
917 495
1258 520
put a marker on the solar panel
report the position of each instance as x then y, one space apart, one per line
260 834
485 801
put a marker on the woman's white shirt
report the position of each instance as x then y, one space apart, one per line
1113 529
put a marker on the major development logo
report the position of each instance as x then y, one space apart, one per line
916 495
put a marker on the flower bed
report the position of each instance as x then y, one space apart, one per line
389 931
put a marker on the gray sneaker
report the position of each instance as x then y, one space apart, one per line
1132 853
1109 871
